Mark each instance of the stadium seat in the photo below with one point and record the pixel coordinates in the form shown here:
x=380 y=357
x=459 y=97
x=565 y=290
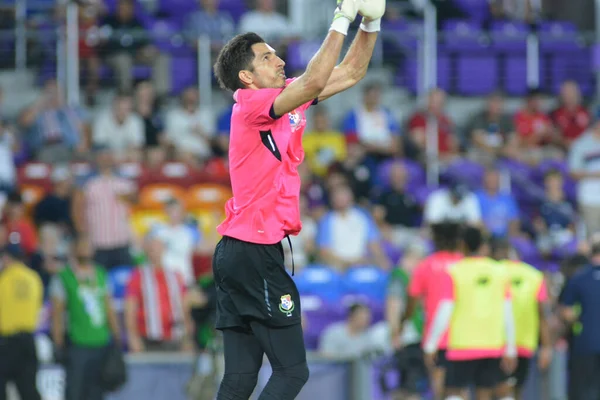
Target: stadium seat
x=118 y=278
x=154 y=196
x=31 y=195
x=35 y=173
x=131 y=170
x=142 y=220
x=207 y=219
x=175 y=173
x=207 y=196
x=320 y=281
x=465 y=171
x=367 y=281
x=81 y=170
x=318 y=313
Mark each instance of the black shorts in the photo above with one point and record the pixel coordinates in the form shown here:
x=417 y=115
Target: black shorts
x=441 y=360
x=483 y=373
x=521 y=373
x=413 y=372
x=253 y=285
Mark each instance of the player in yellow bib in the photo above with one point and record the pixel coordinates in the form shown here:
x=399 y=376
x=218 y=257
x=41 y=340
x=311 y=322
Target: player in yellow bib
x=530 y=309
x=476 y=309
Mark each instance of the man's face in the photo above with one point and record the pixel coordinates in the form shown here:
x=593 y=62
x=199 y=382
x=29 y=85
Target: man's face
x=361 y=319
x=123 y=107
x=267 y=67
x=191 y=98
x=569 y=94
x=125 y=10
x=495 y=105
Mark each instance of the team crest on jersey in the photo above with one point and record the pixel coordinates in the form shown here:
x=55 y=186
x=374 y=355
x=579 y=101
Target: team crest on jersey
x=295 y=120
x=286 y=305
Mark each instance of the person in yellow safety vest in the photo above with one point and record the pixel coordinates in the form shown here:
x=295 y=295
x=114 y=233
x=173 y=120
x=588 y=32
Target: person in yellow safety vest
x=477 y=310
x=530 y=308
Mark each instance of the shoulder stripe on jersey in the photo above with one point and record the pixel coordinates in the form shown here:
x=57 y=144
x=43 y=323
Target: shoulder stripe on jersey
x=267 y=139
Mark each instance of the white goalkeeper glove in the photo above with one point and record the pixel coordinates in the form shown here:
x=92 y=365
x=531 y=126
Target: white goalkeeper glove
x=345 y=13
x=372 y=11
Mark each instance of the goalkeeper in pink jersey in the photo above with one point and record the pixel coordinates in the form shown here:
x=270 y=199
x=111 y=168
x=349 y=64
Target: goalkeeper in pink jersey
x=258 y=305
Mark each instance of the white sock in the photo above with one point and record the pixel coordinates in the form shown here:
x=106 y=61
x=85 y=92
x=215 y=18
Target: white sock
x=205 y=365
x=454 y=398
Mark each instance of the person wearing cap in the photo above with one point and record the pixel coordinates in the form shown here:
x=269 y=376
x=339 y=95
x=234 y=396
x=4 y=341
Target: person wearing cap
x=456 y=204
x=579 y=305
x=21 y=301
x=55 y=207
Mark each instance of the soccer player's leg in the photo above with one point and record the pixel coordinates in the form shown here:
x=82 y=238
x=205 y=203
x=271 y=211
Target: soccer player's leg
x=488 y=375
x=460 y=375
x=437 y=376
x=284 y=347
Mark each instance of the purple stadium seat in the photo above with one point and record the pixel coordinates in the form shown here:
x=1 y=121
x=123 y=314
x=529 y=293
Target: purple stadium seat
x=478 y=10
x=321 y=281
x=557 y=35
x=477 y=74
x=318 y=314
x=184 y=72
x=515 y=80
x=414 y=171
x=404 y=33
x=509 y=35
x=393 y=253
x=234 y=7
x=368 y=281
x=300 y=53
x=462 y=35
x=465 y=171
x=411 y=76
x=527 y=251
x=422 y=193
x=177 y=9
x=166 y=35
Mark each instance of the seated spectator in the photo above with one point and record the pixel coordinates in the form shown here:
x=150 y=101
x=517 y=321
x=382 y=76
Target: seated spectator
x=489 y=131
x=157 y=314
x=179 y=240
x=191 y=128
x=89 y=39
x=417 y=129
x=396 y=211
x=313 y=190
x=348 y=339
x=128 y=43
x=304 y=243
x=8 y=172
x=120 y=129
x=147 y=107
x=584 y=165
x=357 y=171
x=373 y=126
x=265 y=21
x=555 y=225
x=526 y=10
x=18 y=225
x=209 y=21
x=499 y=211
x=223 y=130
x=534 y=128
x=456 y=204
x=55 y=130
x=55 y=207
x=52 y=254
x=571 y=118
x=347 y=235
x=322 y=145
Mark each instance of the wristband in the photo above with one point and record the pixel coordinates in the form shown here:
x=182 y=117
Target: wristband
x=370 y=25
x=340 y=24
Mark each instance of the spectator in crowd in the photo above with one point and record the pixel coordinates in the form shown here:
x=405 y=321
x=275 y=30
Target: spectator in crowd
x=489 y=131
x=51 y=255
x=147 y=107
x=421 y=120
x=55 y=130
x=128 y=43
x=303 y=243
x=191 y=128
x=265 y=21
x=83 y=313
x=571 y=118
x=18 y=224
x=348 y=339
x=21 y=300
x=8 y=173
x=526 y=10
x=373 y=126
x=555 y=224
x=534 y=128
x=579 y=303
x=55 y=207
x=101 y=211
x=120 y=129
x=209 y=21
x=313 y=190
x=396 y=211
x=584 y=165
x=157 y=314
x=499 y=211
x=457 y=204
x=323 y=145
x=89 y=39
x=347 y=235
x=357 y=171
x=223 y=129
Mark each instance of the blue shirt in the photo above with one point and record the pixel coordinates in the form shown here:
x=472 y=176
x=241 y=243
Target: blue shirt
x=224 y=122
x=557 y=214
x=584 y=290
x=497 y=211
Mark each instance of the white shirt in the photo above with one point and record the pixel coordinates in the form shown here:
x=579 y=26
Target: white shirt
x=180 y=126
x=336 y=341
x=347 y=235
x=306 y=235
x=119 y=137
x=439 y=207
x=7 y=164
x=179 y=249
x=267 y=25
x=584 y=156
x=373 y=127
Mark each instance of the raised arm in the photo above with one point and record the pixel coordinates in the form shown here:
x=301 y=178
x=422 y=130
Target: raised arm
x=310 y=84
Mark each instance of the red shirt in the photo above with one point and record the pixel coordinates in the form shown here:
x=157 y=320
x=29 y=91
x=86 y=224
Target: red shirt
x=571 y=123
x=531 y=126
x=426 y=282
x=155 y=313
x=264 y=154
x=419 y=120
x=27 y=234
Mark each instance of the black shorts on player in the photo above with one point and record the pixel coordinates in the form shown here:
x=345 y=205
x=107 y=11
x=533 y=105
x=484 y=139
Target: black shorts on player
x=521 y=373
x=484 y=373
x=413 y=372
x=441 y=361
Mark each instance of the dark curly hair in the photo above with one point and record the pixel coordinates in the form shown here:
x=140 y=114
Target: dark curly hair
x=446 y=235
x=234 y=57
